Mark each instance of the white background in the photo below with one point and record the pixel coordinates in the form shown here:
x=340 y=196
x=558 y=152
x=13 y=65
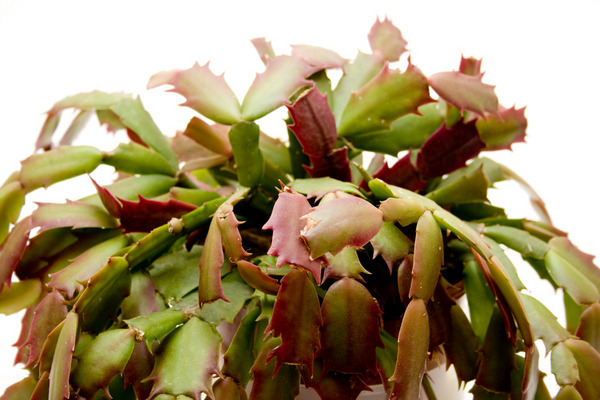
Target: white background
x=543 y=55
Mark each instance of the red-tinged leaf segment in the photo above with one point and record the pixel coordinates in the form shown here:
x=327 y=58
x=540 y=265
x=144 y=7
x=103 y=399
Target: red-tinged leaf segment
x=12 y=250
x=314 y=127
x=588 y=364
x=204 y=91
x=273 y=88
x=211 y=261
x=74 y=214
x=254 y=277
x=318 y=57
x=287 y=224
x=296 y=319
x=470 y=66
x=264 y=49
x=499 y=132
x=465 y=92
x=350 y=331
x=230 y=234
x=338 y=223
x=145 y=215
x=589 y=326
x=413 y=343
x=314 y=123
x=386 y=40
x=50 y=312
x=403 y=173
x=449 y=149
x=334 y=165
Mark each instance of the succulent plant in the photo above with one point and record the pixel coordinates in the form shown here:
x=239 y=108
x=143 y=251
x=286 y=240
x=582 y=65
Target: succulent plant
x=233 y=264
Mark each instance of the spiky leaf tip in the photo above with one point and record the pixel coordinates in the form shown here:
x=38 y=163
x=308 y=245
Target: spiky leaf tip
x=501 y=131
x=273 y=88
x=382 y=100
x=204 y=91
x=386 y=40
x=287 y=224
x=465 y=92
x=338 y=223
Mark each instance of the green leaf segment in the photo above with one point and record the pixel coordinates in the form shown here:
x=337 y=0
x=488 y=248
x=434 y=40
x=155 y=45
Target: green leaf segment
x=226 y=263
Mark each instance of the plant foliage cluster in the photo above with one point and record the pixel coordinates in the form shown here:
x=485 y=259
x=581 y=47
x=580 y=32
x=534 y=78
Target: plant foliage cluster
x=222 y=256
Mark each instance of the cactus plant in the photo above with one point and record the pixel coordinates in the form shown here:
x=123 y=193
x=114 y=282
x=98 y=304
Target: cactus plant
x=227 y=263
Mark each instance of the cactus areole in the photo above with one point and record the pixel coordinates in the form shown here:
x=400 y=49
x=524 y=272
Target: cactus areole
x=230 y=264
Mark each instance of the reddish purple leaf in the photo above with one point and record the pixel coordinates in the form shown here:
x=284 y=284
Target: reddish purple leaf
x=403 y=173
x=296 y=319
x=314 y=123
x=335 y=165
x=145 y=215
x=449 y=149
x=287 y=223
x=314 y=127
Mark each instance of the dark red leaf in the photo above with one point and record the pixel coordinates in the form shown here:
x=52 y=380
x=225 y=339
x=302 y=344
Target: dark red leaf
x=314 y=127
x=449 y=149
x=296 y=319
x=334 y=165
x=145 y=215
x=314 y=123
x=403 y=173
